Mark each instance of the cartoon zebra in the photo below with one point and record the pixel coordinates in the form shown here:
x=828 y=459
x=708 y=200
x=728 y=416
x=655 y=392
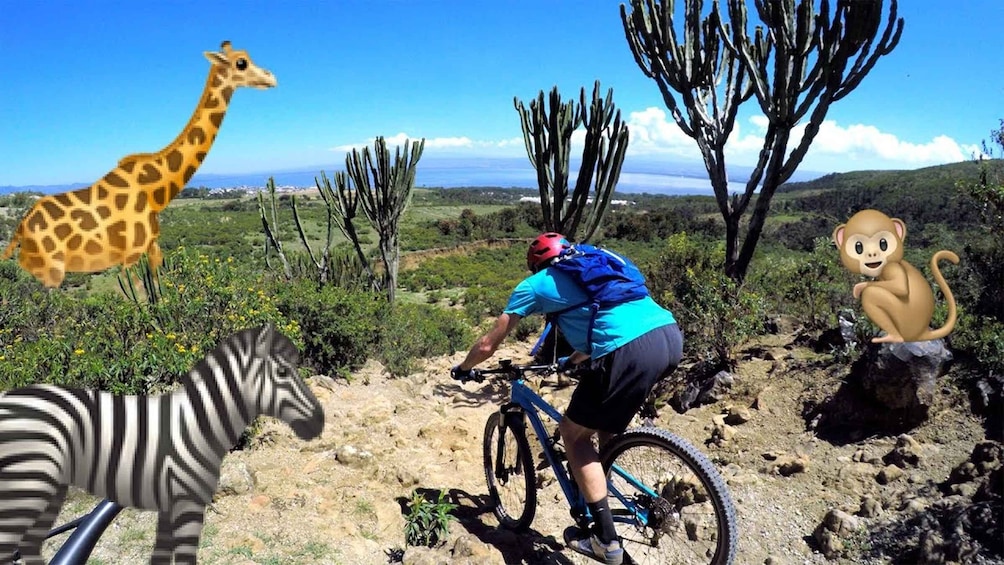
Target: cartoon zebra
x=158 y=453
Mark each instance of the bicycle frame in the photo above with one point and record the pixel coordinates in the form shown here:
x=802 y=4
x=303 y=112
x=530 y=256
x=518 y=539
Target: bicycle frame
x=88 y=529
x=531 y=404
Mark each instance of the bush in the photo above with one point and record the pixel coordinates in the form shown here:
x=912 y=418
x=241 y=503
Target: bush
x=416 y=331
x=340 y=327
x=714 y=313
x=108 y=342
x=810 y=287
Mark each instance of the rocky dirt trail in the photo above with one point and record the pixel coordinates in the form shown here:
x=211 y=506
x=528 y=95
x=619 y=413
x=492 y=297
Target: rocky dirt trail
x=341 y=499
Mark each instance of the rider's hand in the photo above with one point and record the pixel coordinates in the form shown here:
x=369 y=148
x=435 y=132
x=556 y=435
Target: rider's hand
x=458 y=374
x=564 y=363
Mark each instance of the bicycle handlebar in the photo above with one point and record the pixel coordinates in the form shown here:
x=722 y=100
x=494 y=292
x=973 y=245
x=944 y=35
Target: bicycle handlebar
x=506 y=367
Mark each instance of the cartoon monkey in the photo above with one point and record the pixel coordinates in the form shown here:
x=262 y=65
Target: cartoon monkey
x=900 y=301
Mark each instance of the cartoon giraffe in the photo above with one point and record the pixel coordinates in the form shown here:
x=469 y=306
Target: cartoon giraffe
x=114 y=221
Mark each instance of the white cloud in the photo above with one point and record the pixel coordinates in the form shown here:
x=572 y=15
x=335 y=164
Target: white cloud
x=452 y=144
x=835 y=147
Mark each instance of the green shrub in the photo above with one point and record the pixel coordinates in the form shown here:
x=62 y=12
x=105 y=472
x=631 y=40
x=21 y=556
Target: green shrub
x=108 y=342
x=714 y=313
x=418 y=331
x=810 y=287
x=982 y=338
x=340 y=327
x=481 y=302
x=427 y=523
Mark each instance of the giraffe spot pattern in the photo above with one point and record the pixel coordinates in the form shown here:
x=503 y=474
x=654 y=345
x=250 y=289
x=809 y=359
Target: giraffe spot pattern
x=85 y=220
x=196 y=136
x=36 y=222
x=84 y=195
x=200 y=156
x=76 y=263
x=149 y=175
x=114 y=179
x=74 y=242
x=54 y=212
x=48 y=244
x=140 y=237
x=63 y=200
x=63 y=231
x=159 y=198
x=120 y=201
x=140 y=202
x=55 y=274
x=92 y=247
x=102 y=191
x=174 y=160
x=129 y=166
x=173 y=190
x=216 y=118
x=116 y=235
x=103 y=212
x=189 y=172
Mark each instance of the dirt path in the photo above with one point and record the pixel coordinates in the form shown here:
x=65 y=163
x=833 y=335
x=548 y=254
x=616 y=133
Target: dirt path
x=340 y=499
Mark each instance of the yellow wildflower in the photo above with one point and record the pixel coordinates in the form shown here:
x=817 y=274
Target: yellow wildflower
x=78 y=351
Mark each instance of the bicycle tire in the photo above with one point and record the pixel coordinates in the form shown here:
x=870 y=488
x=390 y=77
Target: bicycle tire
x=675 y=512
x=517 y=463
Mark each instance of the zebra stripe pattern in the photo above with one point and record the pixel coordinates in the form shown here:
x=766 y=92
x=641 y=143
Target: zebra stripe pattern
x=159 y=453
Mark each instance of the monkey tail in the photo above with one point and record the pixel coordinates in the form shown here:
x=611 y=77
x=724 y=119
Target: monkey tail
x=15 y=240
x=943 y=285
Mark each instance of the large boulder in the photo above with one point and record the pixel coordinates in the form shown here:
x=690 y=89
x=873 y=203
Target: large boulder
x=902 y=377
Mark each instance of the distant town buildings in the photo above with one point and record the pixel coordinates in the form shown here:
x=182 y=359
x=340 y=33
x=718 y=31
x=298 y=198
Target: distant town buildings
x=588 y=201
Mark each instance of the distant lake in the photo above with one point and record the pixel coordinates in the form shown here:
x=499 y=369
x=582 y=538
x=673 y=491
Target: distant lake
x=505 y=173
x=637 y=176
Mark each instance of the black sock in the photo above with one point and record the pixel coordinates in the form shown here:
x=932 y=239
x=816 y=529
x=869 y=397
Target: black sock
x=603 y=521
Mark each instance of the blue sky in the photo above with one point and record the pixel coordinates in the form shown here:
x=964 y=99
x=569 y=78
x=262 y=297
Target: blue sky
x=85 y=83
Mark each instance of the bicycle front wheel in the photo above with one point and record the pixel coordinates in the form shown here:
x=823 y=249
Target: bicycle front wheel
x=670 y=503
x=509 y=471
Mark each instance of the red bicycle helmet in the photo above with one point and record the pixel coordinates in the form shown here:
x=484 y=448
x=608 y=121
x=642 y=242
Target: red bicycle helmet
x=544 y=248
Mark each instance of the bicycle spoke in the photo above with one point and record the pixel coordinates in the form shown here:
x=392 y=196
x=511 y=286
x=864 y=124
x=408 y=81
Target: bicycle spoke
x=665 y=512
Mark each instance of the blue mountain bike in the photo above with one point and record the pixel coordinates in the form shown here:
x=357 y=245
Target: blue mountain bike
x=669 y=502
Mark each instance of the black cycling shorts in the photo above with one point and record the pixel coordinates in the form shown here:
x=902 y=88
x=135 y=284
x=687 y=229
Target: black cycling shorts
x=614 y=388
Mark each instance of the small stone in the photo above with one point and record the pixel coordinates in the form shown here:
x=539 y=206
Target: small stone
x=235 y=478
x=889 y=474
x=788 y=465
x=870 y=507
x=738 y=415
x=259 y=502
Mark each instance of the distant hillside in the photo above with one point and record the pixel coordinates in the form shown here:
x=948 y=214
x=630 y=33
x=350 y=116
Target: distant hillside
x=924 y=179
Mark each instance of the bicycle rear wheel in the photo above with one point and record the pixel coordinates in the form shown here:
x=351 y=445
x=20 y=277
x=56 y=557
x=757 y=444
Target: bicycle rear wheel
x=509 y=471
x=669 y=502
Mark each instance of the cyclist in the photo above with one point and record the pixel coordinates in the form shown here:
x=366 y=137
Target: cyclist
x=634 y=345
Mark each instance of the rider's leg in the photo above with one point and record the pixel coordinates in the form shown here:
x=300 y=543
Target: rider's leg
x=584 y=463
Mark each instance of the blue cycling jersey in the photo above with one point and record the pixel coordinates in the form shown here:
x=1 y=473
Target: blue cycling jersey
x=550 y=290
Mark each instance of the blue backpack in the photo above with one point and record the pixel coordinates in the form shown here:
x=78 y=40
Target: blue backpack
x=606 y=277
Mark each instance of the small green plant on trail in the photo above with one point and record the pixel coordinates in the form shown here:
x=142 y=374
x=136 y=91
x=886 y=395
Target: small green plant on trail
x=427 y=522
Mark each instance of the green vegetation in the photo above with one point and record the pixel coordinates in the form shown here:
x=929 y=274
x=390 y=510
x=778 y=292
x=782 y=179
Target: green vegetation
x=428 y=522
x=464 y=252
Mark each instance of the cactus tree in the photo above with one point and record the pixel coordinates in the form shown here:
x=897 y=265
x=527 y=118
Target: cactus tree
x=798 y=61
x=384 y=191
x=547 y=133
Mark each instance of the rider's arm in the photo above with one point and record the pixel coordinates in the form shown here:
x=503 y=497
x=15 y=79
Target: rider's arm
x=486 y=345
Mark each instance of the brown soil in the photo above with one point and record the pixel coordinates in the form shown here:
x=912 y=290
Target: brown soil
x=339 y=499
